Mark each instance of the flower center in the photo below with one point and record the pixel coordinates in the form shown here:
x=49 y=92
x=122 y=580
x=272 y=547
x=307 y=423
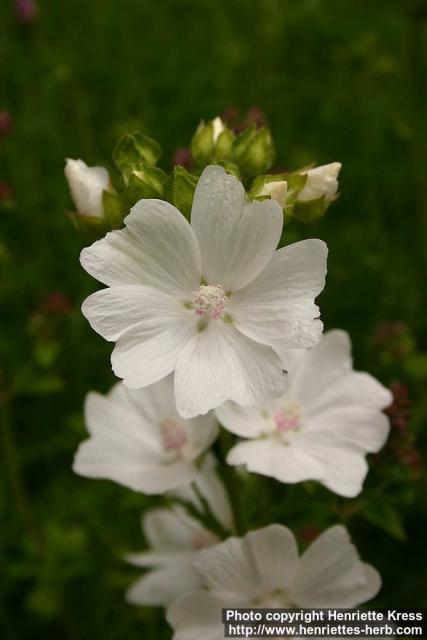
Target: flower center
x=174 y=437
x=288 y=417
x=273 y=600
x=209 y=300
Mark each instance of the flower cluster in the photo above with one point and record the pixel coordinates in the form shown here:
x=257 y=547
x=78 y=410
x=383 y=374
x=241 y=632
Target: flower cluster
x=215 y=323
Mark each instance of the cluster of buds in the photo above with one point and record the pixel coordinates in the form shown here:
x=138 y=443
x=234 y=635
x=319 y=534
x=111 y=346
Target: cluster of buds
x=102 y=202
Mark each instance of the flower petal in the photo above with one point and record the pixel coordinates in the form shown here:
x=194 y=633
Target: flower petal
x=144 y=355
x=197 y=615
x=275 y=553
x=114 y=311
x=156 y=249
x=219 y=364
x=161 y=587
x=237 y=238
x=247 y=422
x=170 y=529
x=277 y=308
x=331 y=573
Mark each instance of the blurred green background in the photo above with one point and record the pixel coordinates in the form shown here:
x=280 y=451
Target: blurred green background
x=337 y=81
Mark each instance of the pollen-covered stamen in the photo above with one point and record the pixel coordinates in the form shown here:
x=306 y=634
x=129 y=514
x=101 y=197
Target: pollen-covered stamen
x=174 y=437
x=288 y=417
x=210 y=300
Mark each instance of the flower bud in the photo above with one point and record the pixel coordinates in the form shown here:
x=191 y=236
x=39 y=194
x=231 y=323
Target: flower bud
x=147 y=182
x=212 y=141
x=179 y=189
x=27 y=11
x=5 y=123
x=87 y=185
x=133 y=151
x=253 y=151
x=271 y=186
x=321 y=182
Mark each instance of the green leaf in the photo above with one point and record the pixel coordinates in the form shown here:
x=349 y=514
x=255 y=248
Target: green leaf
x=382 y=514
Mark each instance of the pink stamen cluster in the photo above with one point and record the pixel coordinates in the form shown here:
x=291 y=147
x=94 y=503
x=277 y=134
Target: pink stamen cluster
x=173 y=435
x=204 y=540
x=210 y=300
x=288 y=417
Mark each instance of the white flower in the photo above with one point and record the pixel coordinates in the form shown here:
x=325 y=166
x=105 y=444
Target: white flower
x=138 y=439
x=263 y=569
x=86 y=186
x=212 y=302
x=322 y=428
x=176 y=540
x=277 y=190
x=321 y=181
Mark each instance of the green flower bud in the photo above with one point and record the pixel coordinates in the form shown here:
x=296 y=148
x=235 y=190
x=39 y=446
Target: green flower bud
x=312 y=197
x=146 y=182
x=253 y=151
x=179 y=189
x=212 y=141
x=134 y=151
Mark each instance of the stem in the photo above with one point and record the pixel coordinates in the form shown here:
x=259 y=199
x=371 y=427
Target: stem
x=232 y=482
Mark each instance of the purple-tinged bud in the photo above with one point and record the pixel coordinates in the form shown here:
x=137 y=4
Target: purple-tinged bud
x=5 y=123
x=27 y=11
x=182 y=157
x=6 y=192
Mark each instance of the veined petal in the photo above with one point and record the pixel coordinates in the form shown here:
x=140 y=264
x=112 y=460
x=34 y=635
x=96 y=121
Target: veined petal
x=247 y=422
x=142 y=357
x=170 y=529
x=157 y=249
x=197 y=615
x=114 y=311
x=219 y=364
x=237 y=238
x=331 y=573
x=162 y=586
x=275 y=553
x=277 y=308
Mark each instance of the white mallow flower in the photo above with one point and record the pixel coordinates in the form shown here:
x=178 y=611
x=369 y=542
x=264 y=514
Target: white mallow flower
x=321 y=181
x=277 y=190
x=217 y=128
x=263 y=570
x=138 y=439
x=212 y=302
x=87 y=185
x=322 y=428
x=175 y=540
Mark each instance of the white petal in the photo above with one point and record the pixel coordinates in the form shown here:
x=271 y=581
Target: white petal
x=237 y=238
x=275 y=553
x=321 y=181
x=270 y=458
x=170 y=529
x=277 y=308
x=331 y=573
x=247 y=422
x=156 y=249
x=163 y=586
x=114 y=311
x=219 y=364
x=86 y=186
x=323 y=378
x=142 y=357
x=197 y=615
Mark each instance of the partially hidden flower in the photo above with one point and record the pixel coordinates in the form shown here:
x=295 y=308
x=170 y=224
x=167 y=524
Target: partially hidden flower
x=213 y=302
x=323 y=426
x=176 y=540
x=138 y=439
x=264 y=570
x=275 y=189
x=87 y=185
x=321 y=181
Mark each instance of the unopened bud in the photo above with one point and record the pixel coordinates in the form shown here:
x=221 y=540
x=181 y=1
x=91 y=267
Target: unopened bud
x=271 y=186
x=213 y=141
x=253 y=151
x=133 y=151
x=179 y=190
x=320 y=189
x=87 y=185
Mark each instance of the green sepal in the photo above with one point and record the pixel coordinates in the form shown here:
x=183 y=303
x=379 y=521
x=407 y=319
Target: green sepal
x=296 y=183
x=92 y=227
x=179 y=189
x=310 y=210
x=224 y=145
x=147 y=182
x=133 y=151
x=114 y=209
x=202 y=145
x=230 y=167
x=253 y=151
